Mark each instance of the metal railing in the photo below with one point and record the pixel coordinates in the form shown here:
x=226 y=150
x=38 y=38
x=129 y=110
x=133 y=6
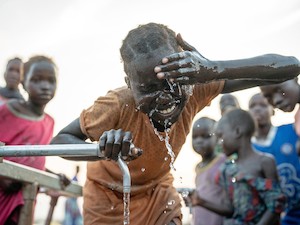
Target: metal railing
x=33 y=179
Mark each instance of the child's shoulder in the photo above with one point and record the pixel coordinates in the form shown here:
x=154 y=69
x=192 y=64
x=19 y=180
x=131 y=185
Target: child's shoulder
x=16 y=105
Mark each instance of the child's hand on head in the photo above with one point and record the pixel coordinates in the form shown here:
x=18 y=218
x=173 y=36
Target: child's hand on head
x=182 y=67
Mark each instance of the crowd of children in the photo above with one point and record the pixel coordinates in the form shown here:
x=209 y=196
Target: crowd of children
x=168 y=83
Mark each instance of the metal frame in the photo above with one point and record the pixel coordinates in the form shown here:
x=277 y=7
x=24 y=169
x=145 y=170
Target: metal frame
x=33 y=179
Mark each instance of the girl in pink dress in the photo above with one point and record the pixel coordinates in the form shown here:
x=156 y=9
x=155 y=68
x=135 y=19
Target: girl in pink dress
x=26 y=123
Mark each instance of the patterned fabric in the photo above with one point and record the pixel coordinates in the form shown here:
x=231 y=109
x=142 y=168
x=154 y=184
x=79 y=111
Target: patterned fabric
x=250 y=196
x=208 y=189
x=281 y=143
x=15 y=129
x=150 y=174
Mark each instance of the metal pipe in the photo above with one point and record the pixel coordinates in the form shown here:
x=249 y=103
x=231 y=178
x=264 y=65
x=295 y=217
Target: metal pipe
x=71 y=150
x=64 y=150
x=126 y=175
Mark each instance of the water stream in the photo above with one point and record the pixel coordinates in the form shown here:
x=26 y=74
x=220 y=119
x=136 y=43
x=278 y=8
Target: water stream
x=126 y=200
x=166 y=139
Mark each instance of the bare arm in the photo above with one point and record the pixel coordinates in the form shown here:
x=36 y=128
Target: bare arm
x=270 y=172
x=72 y=134
x=190 y=67
x=224 y=209
x=111 y=143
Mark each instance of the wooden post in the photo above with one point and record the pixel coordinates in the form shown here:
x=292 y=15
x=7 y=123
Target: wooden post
x=53 y=203
x=29 y=196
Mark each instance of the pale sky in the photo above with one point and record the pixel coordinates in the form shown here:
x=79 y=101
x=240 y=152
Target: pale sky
x=84 y=37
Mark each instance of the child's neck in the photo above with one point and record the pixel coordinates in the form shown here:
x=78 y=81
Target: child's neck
x=245 y=150
x=206 y=160
x=262 y=132
x=35 y=109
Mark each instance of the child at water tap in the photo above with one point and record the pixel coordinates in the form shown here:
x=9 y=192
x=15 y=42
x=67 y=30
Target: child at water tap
x=204 y=142
x=168 y=83
x=13 y=75
x=26 y=123
x=251 y=182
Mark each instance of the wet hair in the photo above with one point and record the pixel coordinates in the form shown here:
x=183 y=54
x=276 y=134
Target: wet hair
x=34 y=59
x=241 y=118
x=142 y=40
x=13 y=59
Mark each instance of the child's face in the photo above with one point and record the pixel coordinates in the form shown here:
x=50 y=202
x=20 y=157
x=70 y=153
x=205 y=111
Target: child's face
x=225 y=136
x=228 y=101
x=203 y=138
x=40 y=82
x=162 y=100
x=13 y=73
x=260 y=109
x=283 y=96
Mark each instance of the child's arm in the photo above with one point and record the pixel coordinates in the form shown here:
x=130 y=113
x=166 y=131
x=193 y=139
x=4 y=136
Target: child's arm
x=224 y=209
x=190 y=67
x=111 y=142
x=270 y=171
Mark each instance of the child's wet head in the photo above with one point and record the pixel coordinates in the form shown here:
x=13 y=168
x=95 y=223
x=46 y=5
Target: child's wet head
x=143 y=49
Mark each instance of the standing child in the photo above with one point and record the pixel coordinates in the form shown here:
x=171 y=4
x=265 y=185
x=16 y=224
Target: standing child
x=204 y=142
x=26 y=123
x=155 y=112
x=281 y=143
x=251 y=182
x=12 y=76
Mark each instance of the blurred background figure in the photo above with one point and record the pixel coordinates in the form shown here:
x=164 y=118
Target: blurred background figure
x=280 y=141
x=73 y=214
x=13 y=76
x=227 y=102
x=204 y=141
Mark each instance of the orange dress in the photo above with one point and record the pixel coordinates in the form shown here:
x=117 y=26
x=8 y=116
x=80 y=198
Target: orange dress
x=153 y=198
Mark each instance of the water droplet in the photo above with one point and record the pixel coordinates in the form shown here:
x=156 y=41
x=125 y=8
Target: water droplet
x=233 y=180
x=143 y=170
x=232 y=161
x=185 y=194
x=166 y=158
x=283 y=93
x=165 y=211
x=126 y=105
x=171 y=202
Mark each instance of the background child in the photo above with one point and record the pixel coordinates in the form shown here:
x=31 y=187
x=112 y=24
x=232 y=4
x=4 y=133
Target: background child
x=26 y=123
x=281 y=143
x=13 y=75
x=204 y=142
x=227 y=102
x=155 y=112
x=251 y=182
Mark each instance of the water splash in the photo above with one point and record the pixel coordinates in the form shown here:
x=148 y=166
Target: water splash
x=188 y=89
x=171 y=202
x=166 y=139
x=126 y=200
